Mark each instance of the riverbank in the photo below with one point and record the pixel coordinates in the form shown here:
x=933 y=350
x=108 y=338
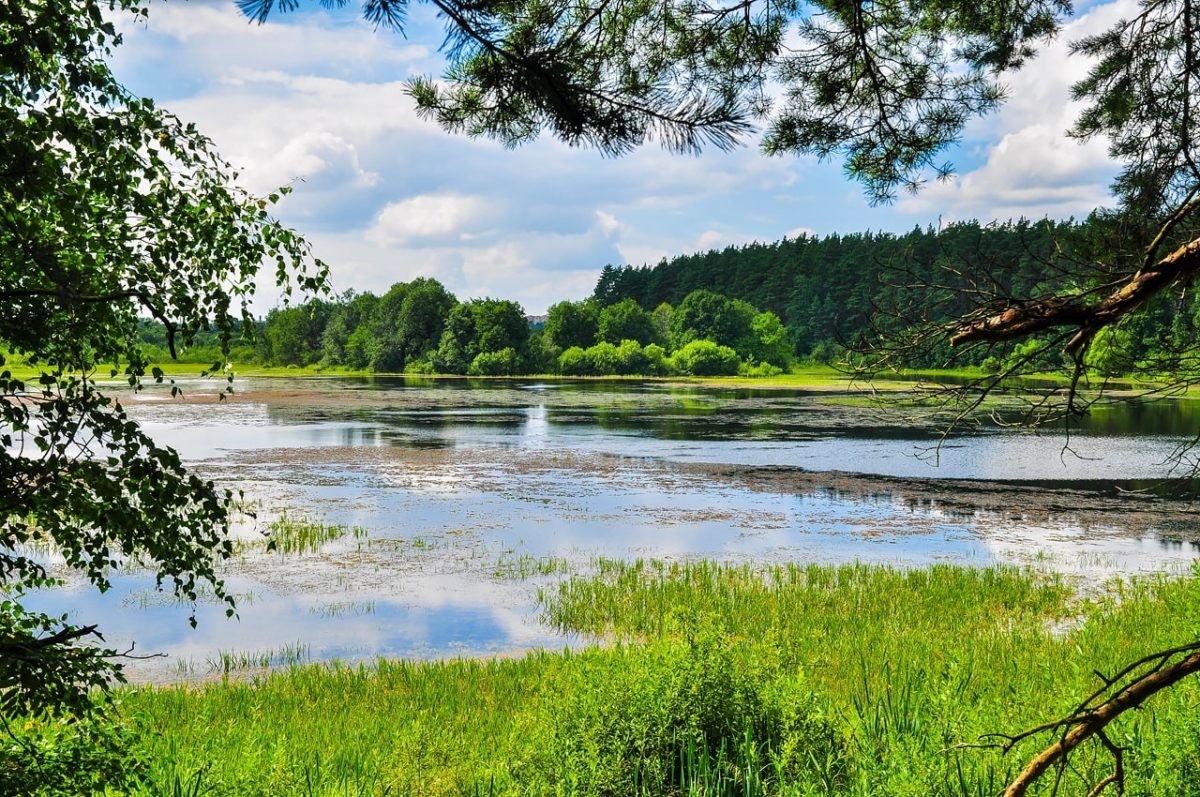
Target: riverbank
x=791 y=679
x=808 y=377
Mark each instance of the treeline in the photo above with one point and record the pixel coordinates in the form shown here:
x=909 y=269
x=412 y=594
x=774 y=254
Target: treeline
x=416 y=327
x=853 y=290
x=707 y=334
x=753 y=309
x=420 y=327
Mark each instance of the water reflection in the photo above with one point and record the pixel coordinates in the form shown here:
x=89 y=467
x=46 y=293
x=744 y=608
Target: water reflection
x=452 y=478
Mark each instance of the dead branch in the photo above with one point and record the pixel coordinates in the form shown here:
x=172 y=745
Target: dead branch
x=1089 y=721
x=25 y=648
x=1051 y=312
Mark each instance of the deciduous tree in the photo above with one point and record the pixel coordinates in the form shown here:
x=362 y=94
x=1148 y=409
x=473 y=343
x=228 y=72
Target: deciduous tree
x=111 y=210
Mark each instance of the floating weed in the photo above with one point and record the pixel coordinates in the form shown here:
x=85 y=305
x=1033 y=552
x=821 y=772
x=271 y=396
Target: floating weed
x=155 y=598
x=419 y=544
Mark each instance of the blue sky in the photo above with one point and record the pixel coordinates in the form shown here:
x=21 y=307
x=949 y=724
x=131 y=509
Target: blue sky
x=316 y=98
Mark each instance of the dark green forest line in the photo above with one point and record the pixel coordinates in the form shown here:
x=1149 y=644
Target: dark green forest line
x=756 y=309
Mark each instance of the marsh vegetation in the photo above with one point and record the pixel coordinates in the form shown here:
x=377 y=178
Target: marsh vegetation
x=623 y=588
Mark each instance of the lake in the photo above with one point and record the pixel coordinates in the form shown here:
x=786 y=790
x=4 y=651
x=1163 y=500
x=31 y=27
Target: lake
x=461 y=498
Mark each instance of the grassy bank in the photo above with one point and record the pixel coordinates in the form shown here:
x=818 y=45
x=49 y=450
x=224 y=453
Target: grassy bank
x=805 y=377
x=788 y=680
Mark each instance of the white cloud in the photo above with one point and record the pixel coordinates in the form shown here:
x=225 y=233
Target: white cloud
x=1032 y=167
x=324 y=156
x=388 y=196
x=212 y=39
x=608 y=222
x=644 y=254
x=649 y=250
x=273 y=126
x=431 y=216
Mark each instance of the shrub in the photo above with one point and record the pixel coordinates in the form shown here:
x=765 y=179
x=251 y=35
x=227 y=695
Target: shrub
x=59 y=756
x=631 y=358
x=603 y=359
x=422 y=366
x=825 y=353
x=683 y=718
x=705 y=358
x=495 y=363
x=656 y=360
x=573 y=362
x=759 y=369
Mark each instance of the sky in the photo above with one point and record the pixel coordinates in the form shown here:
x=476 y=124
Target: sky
x=316 y=99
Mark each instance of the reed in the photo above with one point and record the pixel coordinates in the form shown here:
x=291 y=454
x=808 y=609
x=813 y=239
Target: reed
x=288 y=535
x=715 y=680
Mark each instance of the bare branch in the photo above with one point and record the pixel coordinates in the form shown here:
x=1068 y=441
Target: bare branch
x=1087 y=722
x=1051 y=312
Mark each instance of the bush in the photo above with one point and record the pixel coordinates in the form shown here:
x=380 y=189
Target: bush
x=422 y=366
x=573 y=362
x=656 y=360
x=58 y=756
x=631 y=358
x=825 y=353
x=495 y=363
x=759 y=369
x=683 y=718
x=705 y=358
x=603 y=359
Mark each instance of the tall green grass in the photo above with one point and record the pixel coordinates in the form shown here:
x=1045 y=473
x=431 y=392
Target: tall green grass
x=715 y=680
x=288 y=535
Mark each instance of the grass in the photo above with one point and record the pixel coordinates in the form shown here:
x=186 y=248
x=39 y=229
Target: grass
x=227 y=662
x=789 y=680
x=803 y=377
x=287 y=535
x=343 y=609
x=525 y=566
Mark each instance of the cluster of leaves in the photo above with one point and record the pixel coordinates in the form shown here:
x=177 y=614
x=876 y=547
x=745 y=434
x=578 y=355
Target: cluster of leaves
x=111 y=210
x=51 y=755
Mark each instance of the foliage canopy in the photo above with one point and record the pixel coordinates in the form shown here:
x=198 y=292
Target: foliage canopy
x=111 y=209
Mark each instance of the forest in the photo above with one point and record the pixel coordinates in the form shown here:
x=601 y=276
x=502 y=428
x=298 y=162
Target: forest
x=754 y=310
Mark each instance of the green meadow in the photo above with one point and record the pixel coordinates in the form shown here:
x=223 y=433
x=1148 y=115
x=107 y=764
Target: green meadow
x=703 y=679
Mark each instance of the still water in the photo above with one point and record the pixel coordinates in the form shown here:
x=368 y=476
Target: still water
x=467 y=497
